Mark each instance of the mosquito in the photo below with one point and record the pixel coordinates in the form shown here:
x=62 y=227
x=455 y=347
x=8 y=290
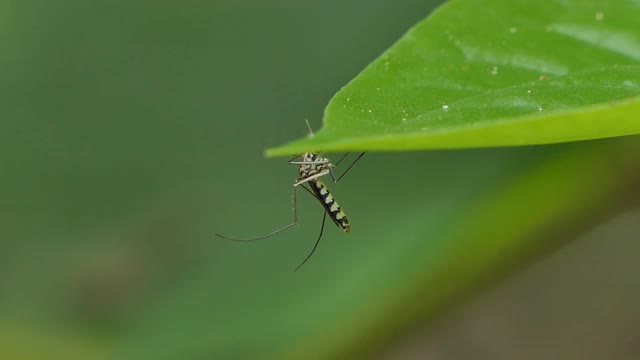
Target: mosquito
x=311 y=167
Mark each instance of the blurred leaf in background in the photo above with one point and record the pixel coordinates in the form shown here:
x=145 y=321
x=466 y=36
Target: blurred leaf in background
x=133 y=131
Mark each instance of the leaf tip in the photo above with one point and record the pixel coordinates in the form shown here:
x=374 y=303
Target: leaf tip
x=273 y=152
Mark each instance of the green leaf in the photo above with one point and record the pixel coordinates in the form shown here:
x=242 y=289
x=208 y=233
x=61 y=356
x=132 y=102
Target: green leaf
x=493 y=73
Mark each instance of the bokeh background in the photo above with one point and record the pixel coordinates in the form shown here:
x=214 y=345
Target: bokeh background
x=132 y=131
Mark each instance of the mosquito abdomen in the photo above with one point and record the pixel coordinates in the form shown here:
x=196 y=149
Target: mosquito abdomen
x=331 y=206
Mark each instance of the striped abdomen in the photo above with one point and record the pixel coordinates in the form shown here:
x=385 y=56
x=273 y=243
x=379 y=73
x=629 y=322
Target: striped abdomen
x=330 y=205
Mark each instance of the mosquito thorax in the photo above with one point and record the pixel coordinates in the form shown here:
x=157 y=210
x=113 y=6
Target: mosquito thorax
x=315 y=164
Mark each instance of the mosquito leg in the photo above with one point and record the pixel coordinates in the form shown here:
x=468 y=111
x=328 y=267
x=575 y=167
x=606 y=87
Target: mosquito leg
x=295 y=157
x=312 y=177
x=307 y=162
x=311 y=192
x=324 y=217
x=342 y=158
x=294 y=223
x=333 y=177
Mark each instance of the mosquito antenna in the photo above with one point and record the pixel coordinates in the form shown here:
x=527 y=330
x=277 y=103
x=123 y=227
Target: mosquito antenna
x=294 y=223
x=324 y=217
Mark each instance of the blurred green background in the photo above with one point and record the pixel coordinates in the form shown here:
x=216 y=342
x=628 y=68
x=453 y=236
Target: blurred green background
x=132 y=131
